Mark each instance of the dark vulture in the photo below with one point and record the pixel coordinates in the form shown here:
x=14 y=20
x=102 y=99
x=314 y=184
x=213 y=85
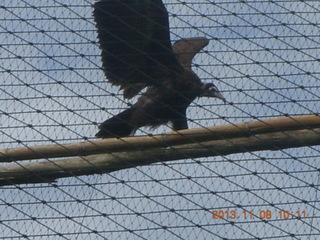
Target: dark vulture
x=137 y=53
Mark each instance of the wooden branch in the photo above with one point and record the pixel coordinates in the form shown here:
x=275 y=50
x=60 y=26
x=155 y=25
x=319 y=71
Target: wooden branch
x=48 y=171
x=169 y=139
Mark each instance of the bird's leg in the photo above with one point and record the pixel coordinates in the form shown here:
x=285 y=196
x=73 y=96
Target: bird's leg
x=133 y=132
x=179 y=124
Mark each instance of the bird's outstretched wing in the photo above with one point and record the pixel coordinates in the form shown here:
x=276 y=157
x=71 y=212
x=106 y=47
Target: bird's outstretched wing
x=135 y=42
x=185 y=49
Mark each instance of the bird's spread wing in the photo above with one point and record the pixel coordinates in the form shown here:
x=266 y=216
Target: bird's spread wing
x=135 y=42
x=186 y=49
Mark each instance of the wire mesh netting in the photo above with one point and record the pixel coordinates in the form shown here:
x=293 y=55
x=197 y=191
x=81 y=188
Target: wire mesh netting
x=263 y=55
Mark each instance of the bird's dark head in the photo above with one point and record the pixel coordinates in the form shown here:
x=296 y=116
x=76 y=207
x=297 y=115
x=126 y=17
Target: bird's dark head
x=210 y=90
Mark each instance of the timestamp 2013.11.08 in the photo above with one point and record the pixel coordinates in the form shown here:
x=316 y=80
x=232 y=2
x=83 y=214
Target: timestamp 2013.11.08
x=263 y=214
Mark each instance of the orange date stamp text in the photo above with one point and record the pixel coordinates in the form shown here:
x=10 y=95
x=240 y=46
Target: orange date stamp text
x=263 y=214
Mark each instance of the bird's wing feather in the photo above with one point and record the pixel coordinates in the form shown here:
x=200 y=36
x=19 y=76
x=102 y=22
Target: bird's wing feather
x=186 y=49
x=135 y=42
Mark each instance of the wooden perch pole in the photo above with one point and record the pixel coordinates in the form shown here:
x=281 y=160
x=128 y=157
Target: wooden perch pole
x=48 y=171
x=163 y=140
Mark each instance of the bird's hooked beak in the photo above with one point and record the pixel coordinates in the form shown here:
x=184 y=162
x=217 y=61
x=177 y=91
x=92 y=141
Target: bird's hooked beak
x=219 y=95
x=210 y=90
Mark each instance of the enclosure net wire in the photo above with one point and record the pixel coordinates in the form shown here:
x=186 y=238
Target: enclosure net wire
x=262 y=55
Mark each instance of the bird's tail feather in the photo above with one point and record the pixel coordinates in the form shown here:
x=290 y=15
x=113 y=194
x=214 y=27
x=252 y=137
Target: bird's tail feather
x=117 y=126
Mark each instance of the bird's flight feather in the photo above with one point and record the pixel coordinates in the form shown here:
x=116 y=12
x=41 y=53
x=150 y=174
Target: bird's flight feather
x=135 y=42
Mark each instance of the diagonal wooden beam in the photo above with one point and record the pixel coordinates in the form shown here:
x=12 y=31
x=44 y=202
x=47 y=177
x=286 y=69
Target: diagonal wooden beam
x=48 y=171
x=155 y=141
